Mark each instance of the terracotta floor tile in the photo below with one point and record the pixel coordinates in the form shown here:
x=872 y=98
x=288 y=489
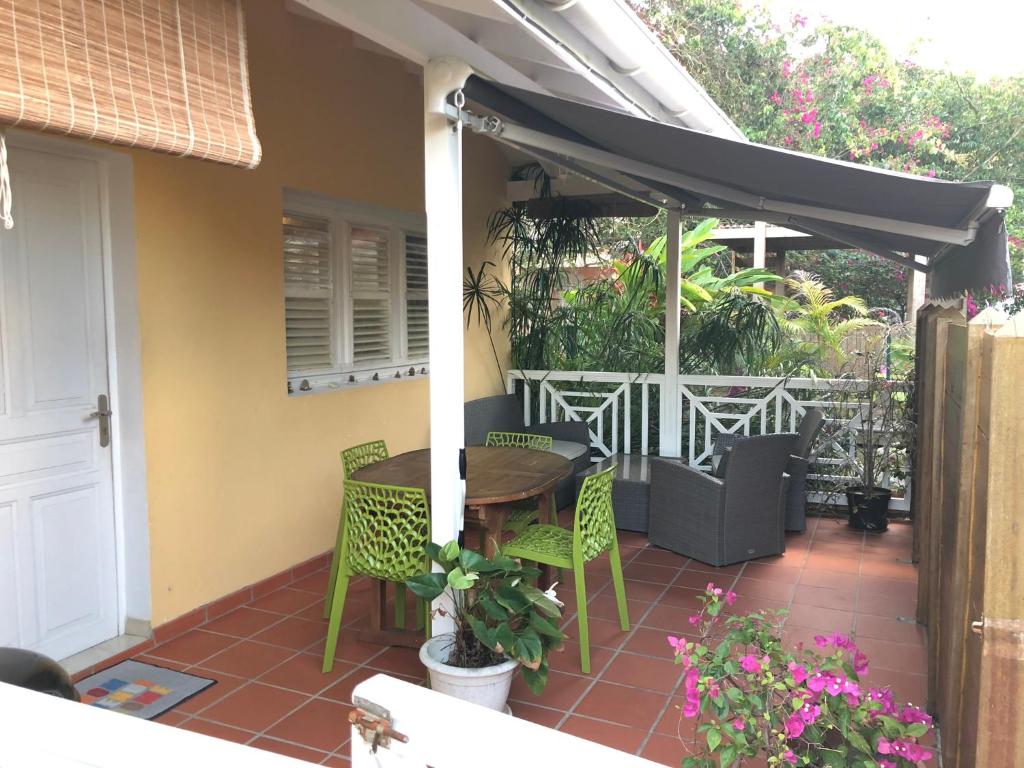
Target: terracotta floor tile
x=177 y=666
x=192 y=647
x=302 y=673
x=342 y=690
x=562 y=691
x=899 y=657
x=758 y=588
x=293 y=633
x=338 y=761
x=907 y=687
x=889 y=570
x=218 y=730
x=718 y=573
x=891 y=606
x=404 y=661
x=646 y=672
x=667 y=750
x=248 y=659
x=604 y=606
x=672 y=618
x=242 y=622
x=355 y=606
x=568 y=659
x=649 y=641
x=549 y=718
x=623 y=705
x=673 y=724
x=657 y=574
x=289 y=750
x=823 y=597
x=833 y=563
x=225 y=684
x=254 y=707
x=884 y=628
x=618 y=737
x=684 y=597
x=876 y=585
x=814 y=577
x=318 y=724
x=606 y=633
x=657 y=556
x=780 y=574
x=286 y=601
x=821 y=619
x=644 y=591
x=171 y=717
x=315 y=582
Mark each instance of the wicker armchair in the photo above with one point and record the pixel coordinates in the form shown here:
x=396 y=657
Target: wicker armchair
x=797 y=467
x=722 y=520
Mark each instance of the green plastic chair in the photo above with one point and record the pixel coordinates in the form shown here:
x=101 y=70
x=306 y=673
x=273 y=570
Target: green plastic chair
x=387 y=528
x=593 y=533
x=523 y=514
x=352 y=459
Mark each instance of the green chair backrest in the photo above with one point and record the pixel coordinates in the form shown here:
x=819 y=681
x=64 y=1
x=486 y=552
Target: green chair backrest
x=594 y=524
x=518 y=440
x=387 y=528
x=359 y=456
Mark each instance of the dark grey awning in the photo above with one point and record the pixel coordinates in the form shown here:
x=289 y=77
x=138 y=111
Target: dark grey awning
x=957 y=226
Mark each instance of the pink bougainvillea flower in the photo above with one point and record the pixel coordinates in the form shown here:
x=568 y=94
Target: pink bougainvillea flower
x=860 y=659
x=908 y=750
x=692 y=706
x=739 y=724
x=885 y=763
x=730 y=598
x=835 y=685
x=695 y=619
x=818 y=680
x=794 y=727
x=810 y=713
x=716 y=591
x=810 y=116
x=751 y=663
x=912 y=714
x=789 y=756
x=816 y=131
x=852 y=692
x=798 y=671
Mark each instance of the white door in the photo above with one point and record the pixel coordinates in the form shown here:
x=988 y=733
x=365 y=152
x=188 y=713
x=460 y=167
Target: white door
x=58 y=575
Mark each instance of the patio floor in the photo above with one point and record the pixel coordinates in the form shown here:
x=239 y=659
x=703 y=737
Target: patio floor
x=270 y=694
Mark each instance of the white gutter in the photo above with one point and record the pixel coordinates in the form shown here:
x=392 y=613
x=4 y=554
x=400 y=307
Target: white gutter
x=606 y=42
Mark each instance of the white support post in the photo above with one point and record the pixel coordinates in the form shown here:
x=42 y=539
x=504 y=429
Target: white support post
x=442 y=145
x=670 y=416
x=760 y=246
x=915 y=290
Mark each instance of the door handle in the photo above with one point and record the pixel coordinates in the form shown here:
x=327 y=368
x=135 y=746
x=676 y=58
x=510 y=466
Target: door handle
x=103 y=413
x=978 y=627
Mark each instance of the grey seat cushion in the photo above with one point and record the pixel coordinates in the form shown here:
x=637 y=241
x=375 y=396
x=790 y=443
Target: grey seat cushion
x=567 y=449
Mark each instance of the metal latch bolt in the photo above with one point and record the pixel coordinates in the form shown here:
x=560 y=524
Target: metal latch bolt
x=374 y=724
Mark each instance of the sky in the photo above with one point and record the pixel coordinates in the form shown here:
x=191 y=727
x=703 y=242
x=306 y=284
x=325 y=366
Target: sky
x=980 y=36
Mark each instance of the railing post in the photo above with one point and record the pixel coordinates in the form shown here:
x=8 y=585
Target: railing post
x=671 y=420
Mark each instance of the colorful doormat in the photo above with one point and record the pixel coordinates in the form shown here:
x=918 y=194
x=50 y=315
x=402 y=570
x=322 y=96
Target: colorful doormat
x=138 y=689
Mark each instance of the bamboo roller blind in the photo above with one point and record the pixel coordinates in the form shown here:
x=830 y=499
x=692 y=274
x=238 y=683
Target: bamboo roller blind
x=168 y=75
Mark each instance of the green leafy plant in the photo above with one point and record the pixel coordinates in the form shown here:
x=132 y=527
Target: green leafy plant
x=755 y=699
x=498 y=613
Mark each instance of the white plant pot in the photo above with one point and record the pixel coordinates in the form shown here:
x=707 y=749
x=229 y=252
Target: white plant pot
x=486 y=686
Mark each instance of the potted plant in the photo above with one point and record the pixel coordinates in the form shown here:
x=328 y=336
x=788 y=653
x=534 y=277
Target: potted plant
x=502 y=622
x=759 y=703
x=875 y=391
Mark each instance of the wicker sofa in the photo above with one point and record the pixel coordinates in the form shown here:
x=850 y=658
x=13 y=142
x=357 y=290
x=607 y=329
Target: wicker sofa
x=723 y=520
x=504 y=413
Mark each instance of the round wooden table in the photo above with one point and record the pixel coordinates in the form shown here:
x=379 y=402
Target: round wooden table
x=495 y=477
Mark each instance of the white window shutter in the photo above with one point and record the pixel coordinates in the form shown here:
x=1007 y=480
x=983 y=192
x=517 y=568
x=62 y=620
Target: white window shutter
x=309 y=292
x=370 y=291
x=416 y=335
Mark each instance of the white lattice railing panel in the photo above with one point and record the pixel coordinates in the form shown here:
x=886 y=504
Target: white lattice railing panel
x=621 y=410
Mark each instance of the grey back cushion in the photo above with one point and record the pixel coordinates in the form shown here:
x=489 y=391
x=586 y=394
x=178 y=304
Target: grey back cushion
x=500 y=413
x=810 y=425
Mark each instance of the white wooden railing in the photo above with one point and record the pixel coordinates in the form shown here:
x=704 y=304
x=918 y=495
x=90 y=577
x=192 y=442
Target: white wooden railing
x=610 y=403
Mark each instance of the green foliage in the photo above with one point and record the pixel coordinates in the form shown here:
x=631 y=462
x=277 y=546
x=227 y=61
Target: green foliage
x=837 y=91
x=752 y=698
x=498 y=613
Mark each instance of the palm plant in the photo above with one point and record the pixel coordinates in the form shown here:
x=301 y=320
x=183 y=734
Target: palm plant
x=818 y=322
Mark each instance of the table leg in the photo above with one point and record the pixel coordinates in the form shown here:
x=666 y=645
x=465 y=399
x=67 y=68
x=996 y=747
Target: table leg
x=492 y=523
x=378 y=633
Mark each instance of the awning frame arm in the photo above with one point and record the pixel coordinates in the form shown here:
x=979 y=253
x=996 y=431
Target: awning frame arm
x=518 y=135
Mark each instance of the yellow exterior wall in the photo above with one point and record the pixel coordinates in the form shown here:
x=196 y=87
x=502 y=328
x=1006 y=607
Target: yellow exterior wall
x=244 y=481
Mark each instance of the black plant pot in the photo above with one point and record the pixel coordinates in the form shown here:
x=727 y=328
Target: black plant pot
x=868 y=513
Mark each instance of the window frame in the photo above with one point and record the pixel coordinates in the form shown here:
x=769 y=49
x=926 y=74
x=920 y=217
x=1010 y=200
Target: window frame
x=342 y=216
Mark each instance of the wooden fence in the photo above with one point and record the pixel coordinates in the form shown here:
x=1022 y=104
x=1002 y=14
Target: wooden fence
x=969 y=536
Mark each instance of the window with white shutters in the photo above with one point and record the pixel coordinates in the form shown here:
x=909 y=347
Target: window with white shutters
x=416 y=295
x=355 y=293
x=308 y=292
